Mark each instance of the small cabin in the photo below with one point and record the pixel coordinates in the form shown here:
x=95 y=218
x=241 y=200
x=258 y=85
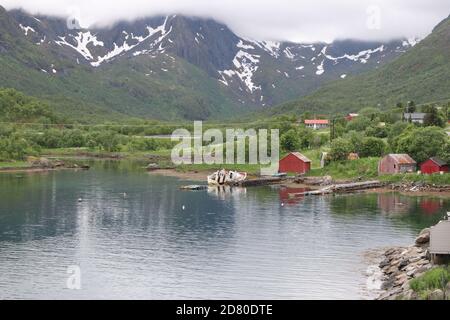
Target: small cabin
x=351 y=116
x=397 y=163
x=295 y=162
x=416 y=117
x=440 y=242
x=434 y=165
x=317 y=124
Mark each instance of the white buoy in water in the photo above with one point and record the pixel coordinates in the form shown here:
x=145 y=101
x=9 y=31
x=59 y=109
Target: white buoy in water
x=124 y=194
x=183 y=207
x=80 y=200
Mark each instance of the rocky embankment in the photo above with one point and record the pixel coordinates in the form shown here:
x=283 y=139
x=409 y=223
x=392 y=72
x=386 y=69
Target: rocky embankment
x=44 y=163
x=402 y=264
x=418 y=187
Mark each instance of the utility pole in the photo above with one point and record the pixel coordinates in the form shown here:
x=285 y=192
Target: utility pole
x=332 y=129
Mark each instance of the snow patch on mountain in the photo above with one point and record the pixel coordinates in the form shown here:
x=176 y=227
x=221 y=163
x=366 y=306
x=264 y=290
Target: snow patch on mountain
x=320 y=69
x=289 y=54
x=361 y=57
x=246 y=65
x=241 y=45
x=271 y=47
x=125 y=47
x=83 y=40
x=411 y=42
x=26 y=29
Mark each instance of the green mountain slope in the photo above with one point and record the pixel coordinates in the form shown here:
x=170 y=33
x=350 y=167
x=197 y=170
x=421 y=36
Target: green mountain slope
x=172 y=67
x=137 y=87
x=420 y=75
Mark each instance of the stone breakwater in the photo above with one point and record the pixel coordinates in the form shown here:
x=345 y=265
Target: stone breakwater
x=401 y=264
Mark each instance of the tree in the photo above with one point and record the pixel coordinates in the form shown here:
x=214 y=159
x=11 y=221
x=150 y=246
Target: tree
x=306 y=137
x=377 y=131
x=444 y=154
x=51 y=138
x=16 y=148
x=411 y=107
x=359 y=124
x=422 y=143
x=434 y=117
x=340 y=149
x=355 y=139
x=290 y=141
x=108 y=141
x=372 y=147
x=395 y=131
x=371 y=113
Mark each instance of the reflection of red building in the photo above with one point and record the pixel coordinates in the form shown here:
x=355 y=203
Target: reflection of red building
x=290 y=195
x=434 y=165
x=392 y=203
x=431 y=206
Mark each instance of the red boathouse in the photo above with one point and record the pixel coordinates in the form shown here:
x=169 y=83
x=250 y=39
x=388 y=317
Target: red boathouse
x=434 y=165
x=295 y=162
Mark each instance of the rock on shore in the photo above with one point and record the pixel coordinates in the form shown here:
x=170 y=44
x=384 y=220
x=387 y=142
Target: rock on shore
x=402 y=264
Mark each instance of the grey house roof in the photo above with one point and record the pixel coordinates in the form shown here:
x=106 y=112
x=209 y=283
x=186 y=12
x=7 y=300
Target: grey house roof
x=438 y=161
x=415 y=115
x=440 y=238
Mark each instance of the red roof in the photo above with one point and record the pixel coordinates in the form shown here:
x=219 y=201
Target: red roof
x=402 y=158
x=301 y=156
x=317 y=122
x=298 y=155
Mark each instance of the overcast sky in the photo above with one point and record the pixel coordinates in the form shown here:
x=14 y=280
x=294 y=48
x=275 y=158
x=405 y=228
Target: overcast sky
x=295 y=20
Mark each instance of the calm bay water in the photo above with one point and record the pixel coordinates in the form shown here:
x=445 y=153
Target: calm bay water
x=157 y=242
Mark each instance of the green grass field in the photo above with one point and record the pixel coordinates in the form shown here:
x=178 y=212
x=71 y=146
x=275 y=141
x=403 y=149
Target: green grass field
x=15 y=164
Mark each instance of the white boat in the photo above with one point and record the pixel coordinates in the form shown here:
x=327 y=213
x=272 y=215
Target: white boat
x=224 y=177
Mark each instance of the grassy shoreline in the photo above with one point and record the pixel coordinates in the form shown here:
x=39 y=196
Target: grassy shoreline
x=361 y=169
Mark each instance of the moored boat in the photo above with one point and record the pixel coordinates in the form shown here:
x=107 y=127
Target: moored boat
x=224 y=177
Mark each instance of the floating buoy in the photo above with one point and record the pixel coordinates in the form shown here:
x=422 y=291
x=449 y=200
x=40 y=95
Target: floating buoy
x=183 y=208
x=80 y=200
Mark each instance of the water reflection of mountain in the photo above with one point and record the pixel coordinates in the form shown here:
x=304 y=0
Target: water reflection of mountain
x=38 y=206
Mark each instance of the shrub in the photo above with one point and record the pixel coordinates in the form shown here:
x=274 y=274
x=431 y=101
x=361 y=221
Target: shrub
x=340 y=148
x=290 y=141
x=431 y=280
x=422 y=143
x=372 y=147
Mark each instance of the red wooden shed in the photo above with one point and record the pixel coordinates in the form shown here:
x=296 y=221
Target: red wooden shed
x=295 y=162
x=434 y=165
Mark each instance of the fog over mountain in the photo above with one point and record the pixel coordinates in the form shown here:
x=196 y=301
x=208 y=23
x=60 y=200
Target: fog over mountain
x=298 y=21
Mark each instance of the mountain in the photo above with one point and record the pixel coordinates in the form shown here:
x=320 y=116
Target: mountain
x=420 y=75
x=172 y=67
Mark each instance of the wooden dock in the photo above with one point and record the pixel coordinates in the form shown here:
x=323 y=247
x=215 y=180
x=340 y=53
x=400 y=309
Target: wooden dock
x=264 y=181
x=342 y=188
